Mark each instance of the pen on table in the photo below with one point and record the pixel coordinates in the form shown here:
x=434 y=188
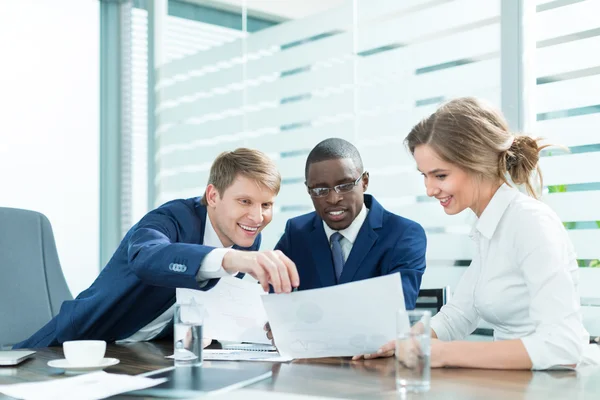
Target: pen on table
x=295 y=289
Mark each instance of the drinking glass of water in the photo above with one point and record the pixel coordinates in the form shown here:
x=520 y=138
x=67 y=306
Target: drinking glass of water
x=413 y=341
x=187 y=334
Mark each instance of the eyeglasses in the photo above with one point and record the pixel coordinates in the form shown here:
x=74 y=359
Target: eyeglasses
x=343 y=188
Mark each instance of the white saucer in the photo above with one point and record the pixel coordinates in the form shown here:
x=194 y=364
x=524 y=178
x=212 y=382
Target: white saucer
x=64 y=364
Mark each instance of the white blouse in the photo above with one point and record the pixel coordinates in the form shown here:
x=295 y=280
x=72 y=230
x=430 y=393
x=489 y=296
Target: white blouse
x=523 y=280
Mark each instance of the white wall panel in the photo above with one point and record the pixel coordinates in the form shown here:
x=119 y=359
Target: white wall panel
x=292 y=167
x=571 y=169
x=226 y=52
x=383 y=154
x=338 y=45
x=561 y=21
x=339 y=18
x=573 y=131
x=297 y=84
x=568 y=94
x=566 y=57
x=586 y=243
x=186 y=133
x=414 y=26
x=432 y=215
x=301 y=111
x=293 y=194
x=575 y=206
x=305 y=138
x=449 y=247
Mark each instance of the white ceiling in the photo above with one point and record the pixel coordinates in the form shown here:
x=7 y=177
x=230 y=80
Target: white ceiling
x=281 y=9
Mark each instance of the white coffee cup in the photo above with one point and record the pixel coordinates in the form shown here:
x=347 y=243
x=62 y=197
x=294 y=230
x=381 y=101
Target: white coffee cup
x=84 y=352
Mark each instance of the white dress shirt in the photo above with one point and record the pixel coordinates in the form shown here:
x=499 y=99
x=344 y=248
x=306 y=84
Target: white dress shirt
x=350 y=233
x=523 y=280
x=211 y=268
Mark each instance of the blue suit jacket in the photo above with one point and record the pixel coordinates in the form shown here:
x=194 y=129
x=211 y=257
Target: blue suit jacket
x=386 y=244
x=138 y=283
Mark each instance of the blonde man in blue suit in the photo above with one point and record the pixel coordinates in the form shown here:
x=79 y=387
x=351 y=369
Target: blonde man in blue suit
x=188 y=243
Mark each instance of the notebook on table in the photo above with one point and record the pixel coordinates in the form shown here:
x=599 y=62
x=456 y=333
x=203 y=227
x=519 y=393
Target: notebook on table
x=248 y=346
x=185 y=382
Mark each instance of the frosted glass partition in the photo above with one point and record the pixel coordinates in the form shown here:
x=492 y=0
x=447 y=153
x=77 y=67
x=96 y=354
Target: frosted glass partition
x=567 y=64
x=364 y=71
x=183 y=38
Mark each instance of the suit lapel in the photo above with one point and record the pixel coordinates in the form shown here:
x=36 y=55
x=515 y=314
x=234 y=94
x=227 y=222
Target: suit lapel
x=367 y=236
x=321 y=253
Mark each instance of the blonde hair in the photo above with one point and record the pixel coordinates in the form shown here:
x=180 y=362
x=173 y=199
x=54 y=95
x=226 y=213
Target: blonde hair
x=252 y=164
x=474 y=136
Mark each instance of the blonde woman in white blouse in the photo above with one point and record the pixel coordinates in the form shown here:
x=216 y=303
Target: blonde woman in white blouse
x=523 y=279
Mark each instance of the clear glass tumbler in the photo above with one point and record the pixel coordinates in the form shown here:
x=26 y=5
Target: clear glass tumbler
x=413 y=350
x=187 y=334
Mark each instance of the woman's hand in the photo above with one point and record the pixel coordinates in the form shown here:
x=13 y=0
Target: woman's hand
x=410 y=350
x=387 y=350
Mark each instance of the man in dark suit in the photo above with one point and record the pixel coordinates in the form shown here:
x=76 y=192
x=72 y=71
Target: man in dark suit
x=350 y=236
x=183 y=243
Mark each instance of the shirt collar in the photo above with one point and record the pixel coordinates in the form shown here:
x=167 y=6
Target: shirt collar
x=210 y=235
x=492 y=214
x=351 y=232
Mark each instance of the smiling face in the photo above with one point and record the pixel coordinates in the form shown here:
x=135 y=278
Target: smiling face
x=241 y=212
x=454 y=187
x=338 y=210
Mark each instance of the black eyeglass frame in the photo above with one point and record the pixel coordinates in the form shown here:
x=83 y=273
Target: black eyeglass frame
x=340 y=189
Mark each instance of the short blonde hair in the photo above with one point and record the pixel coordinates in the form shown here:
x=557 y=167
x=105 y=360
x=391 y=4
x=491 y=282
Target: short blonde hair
x=252 y=164
x=474 y=136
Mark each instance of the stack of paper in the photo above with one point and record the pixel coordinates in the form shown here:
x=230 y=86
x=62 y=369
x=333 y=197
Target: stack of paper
x=243 y=355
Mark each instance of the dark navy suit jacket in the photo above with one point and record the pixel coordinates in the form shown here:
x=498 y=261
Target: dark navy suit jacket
x=386 y=244
x=160 y=253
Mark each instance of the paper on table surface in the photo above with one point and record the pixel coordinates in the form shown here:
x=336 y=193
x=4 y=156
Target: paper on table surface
x=233 y=310
x=243 y=355
x=92 y=386
x=254 y=394
x=343 y=320
x=240 y=355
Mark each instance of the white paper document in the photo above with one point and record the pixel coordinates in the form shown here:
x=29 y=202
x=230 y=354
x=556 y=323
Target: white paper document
x=243 y=355
x=92 y=386
x=255 y=394
x=233 y=310
x=343 y=320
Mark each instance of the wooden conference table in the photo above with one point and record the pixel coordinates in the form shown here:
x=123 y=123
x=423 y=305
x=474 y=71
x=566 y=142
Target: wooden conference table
x=341 y=377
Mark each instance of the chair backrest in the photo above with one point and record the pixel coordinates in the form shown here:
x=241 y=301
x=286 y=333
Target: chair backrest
x=32 y=285
x=432 y=299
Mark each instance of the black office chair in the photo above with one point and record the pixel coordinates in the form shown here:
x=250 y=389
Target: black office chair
x=432 y=299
